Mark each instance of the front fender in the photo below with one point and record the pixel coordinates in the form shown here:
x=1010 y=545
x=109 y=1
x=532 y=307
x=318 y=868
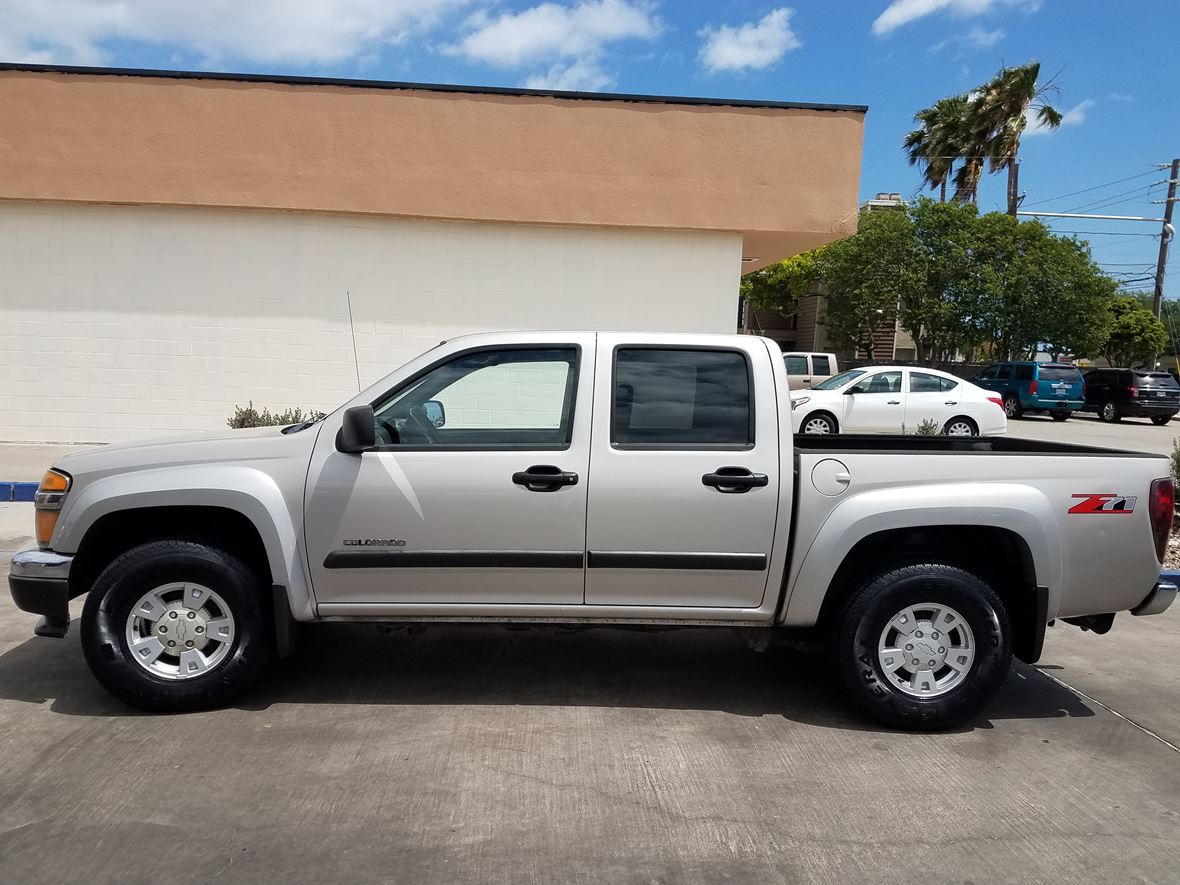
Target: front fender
x=1015 y=507
x=246 y=490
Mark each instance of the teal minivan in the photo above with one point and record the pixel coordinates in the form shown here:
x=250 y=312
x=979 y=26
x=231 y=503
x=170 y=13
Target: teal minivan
x=1055 y=388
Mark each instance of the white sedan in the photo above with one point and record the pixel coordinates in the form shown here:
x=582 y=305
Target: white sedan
x=897 y=399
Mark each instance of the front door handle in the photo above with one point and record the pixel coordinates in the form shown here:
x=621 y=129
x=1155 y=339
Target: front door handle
x=951 y=402
x=893 y=402
x=734 y=480
x=544 y=478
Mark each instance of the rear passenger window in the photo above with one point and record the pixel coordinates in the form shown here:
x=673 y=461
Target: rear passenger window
x=920 y=382
x=1024 y=373
x=821 y=365
x=1004 y=374
x=681 y=399
x=796 y=365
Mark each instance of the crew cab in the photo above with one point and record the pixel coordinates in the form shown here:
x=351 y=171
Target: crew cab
x=637 y=479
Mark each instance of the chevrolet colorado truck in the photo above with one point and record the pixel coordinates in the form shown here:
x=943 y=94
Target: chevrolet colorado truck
x=648 y=480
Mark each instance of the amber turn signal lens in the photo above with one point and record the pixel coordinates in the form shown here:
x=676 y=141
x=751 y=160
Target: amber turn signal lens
x=46 y=523
x=53 y=481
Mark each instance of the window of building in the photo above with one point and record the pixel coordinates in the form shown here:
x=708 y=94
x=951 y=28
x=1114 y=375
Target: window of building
x=681 y=399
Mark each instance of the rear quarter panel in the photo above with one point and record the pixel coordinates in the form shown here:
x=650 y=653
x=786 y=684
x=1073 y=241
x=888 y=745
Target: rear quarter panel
x=1091 y=562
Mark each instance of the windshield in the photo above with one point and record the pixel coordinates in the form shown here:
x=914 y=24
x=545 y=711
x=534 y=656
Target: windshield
x=838 y=380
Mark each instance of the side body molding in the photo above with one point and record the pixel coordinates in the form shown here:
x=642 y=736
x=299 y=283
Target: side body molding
x=246 y=490
x=1016 y=507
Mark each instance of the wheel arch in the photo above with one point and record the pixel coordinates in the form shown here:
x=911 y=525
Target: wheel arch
x=238 y=507
x=827 y=413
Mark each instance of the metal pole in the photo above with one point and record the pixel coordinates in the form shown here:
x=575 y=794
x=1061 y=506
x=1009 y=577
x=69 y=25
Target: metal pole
x=1013 y=186
x=1165 y=235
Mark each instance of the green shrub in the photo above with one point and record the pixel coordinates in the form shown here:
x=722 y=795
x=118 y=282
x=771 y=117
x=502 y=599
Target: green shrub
x=251 y=417
x=928 y=427
x=1176 y=461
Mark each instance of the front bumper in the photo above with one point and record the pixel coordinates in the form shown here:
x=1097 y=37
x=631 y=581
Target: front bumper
x=1162 y=595
x=39 y=581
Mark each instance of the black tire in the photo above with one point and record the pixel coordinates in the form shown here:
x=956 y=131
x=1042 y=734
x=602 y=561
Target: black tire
x=139 y=570
x=1060 y=416
x=1109 y=412
x=877 y=601
x=819 y=417
x=960 y=420
x=1012 y=408
x=1160 y=420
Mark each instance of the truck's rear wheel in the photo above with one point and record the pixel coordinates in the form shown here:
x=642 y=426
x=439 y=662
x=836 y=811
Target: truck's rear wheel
x=176 y=625
x=924 y=646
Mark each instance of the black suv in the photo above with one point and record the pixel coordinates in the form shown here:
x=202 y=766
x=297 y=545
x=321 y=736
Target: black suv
x=1132 y=393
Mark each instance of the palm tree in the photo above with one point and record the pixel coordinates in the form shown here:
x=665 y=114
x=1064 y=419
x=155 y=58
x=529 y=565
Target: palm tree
x=980 y=126
x=939 y=140
x=999 y=113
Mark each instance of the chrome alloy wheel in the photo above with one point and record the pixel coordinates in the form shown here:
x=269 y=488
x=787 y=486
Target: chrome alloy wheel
x=926 y=650
x=959 y=427
x=181 y=630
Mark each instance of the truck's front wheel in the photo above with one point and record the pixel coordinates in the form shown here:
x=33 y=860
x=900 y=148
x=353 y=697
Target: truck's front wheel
x=924 y=646
x=176 y=625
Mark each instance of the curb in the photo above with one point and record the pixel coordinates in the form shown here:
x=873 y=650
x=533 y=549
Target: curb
x=17 y=491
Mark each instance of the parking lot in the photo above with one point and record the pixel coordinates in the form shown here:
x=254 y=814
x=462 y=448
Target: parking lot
x=1135 y=434
x=482 y=754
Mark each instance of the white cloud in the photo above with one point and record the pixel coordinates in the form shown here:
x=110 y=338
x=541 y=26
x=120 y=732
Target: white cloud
x=902 y=12
x=974 y=40
x=749 y=46
x=583 y=75
x=550 y=32
x=321 y=32
x=1120 y=97
x=1075 y=116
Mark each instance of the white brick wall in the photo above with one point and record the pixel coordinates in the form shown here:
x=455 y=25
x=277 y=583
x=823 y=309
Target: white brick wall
x=125 y=321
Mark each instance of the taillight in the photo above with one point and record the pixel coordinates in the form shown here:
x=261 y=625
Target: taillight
x=1032 y=387
x=995 y=399
x=1133 y=391
x=1161 y=508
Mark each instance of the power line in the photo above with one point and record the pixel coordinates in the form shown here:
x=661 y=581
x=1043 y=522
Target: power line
x=1086 y=190
x=1140 y=192
x=1105 y=233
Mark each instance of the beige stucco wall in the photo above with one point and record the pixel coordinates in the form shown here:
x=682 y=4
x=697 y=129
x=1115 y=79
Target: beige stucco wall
x=785 y=178
x=124 y=321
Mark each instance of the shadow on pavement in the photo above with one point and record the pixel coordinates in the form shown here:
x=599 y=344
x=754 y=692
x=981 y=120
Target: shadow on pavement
x=705 y=669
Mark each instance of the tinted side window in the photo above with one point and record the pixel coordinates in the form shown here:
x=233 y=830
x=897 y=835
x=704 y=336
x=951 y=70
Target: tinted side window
x=1024 y=373
x=821 y=365
x=681 y=398
x=796 y=365
x=920 y=382
x=1004 y=374
x=882 y=382
x=947 y=384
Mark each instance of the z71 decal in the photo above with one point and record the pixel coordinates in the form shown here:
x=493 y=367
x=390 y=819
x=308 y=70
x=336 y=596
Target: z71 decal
x=1103 y=504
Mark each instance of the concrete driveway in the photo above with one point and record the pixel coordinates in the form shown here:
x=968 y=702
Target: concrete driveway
x=479 y=754
x=1134 y=434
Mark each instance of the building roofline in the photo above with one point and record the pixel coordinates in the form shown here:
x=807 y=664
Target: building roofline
x=428 y=87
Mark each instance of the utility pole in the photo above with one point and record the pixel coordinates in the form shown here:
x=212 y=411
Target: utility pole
x=1013 y=186
x=1165 y=235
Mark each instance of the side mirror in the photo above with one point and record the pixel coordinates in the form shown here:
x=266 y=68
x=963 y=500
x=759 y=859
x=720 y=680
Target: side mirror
x=855 y=388
x=434 y=412
x=358 y=432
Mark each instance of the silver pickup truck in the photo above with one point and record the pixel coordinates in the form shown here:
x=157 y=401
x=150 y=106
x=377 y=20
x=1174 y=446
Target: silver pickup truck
x=593 y=478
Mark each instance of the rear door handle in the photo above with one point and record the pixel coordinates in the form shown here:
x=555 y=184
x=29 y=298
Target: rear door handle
x=734 y=480
x=544 y=478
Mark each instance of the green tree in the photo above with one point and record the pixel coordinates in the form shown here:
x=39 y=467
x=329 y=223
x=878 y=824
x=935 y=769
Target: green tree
x=937 y=311
x=866 y=275
x=779 y=286
x=999 y=113
x=1135 y=334
x=939 y=140
x=981 y=126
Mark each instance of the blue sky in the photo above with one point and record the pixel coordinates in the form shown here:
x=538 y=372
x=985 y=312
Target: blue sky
x=1112 y=60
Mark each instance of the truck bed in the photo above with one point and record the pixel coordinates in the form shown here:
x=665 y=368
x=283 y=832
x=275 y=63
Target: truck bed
x=893 y=444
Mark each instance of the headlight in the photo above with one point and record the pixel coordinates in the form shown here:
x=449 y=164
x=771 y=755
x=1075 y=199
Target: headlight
x=51 y=494
x=796 y=403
